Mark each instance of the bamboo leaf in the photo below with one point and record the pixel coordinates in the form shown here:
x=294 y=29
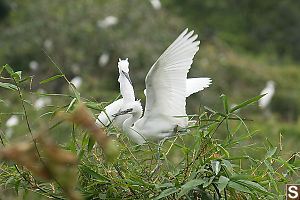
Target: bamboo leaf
x=245 y=103
x=190 y=185
x=51 y=79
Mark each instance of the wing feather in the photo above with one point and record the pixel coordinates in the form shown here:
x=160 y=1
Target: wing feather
x=167 y=79
x=194 y=85
x=106 y=117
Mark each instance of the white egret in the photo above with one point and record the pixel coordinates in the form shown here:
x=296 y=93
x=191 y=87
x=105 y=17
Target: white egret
x=107 y=22
x=41 y=102
x=156 y=4
x=76 y=81
x=269 y=90
x=12 y=121
x=34 y=65
x=167 y=87
x=127 y=92
x=48 y=44
x=103 y=59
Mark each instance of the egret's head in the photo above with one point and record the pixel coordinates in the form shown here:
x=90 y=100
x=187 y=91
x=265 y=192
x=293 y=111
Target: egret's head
x=134 y=108
x=271 y=83
x=123 y=65
x=123 y=68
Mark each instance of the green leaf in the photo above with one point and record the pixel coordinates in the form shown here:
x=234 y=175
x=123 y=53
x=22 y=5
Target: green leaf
x=91 y=144
x=245 y=103
x=228 y=166
x=9 y=70
x=1 y=69
x=240 y=177
x=52 y=78
x=274 y=183
x=17 y=184
x=236 y=128
x=2 y=101
x=28 y=102
x=17 y=74
x=8 y=86
x=167 y=192
x=25 y=193
x=255 y=186
x=224 y=150
x=71 y=104
x=271 y=152
x=238 y=187
x=77 y=94
x=225 y=104
x=269 y=166
x=190 y=185
x=93 y=174
x=24 y=79
x=222 y=183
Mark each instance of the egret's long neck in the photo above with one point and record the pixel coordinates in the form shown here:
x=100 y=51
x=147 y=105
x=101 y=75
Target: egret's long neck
x=126 y=88
x=127 y=127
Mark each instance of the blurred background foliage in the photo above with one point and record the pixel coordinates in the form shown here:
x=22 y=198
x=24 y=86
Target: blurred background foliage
x=243 y=45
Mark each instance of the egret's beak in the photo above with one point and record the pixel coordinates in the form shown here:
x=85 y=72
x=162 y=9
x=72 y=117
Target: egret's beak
x=127 y=76
x=122 y=112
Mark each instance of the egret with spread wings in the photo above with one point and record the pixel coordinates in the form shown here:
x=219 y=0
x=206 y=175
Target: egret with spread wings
x=167 y=87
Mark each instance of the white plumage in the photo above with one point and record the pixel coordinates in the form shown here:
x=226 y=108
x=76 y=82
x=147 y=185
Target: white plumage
x=106 y=117
x=269 y=90
x=166 y=86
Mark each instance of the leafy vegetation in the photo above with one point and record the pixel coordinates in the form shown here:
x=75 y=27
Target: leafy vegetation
x=197 y=165
x=232 y=152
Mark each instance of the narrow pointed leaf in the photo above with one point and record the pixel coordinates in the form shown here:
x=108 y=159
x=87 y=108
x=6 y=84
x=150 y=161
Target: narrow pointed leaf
x=245 y=103
x=52 y=78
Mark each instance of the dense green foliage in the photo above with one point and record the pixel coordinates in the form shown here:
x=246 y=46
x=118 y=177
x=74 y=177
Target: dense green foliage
x=243 y=45
x=197 y=165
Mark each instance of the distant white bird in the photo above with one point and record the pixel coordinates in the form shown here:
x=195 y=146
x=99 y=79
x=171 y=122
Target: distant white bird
x=127 y=92
x=156 y=4
x=103 y=59
x=48 y=44
x=12 y=121
x=34 y=65
x=76 y=81
x=41 y=102
x=269 y=90
x=167 y=87
x=107 y=22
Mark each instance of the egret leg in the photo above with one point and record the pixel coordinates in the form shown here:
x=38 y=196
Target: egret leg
x=159 y=148
x=159 y=162
x=182 y=133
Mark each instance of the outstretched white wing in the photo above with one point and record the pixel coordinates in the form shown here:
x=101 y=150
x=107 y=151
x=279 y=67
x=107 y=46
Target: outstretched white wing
x=194 y=85
x=106 y=117
x=166 y=80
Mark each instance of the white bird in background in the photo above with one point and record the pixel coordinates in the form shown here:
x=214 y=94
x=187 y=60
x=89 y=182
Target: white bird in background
x=107 y=116
x=269 y=90
x=156 y=4
x=103 y=59
x=41 y=102
x=48 y=44
x=12 y=121
x=34 y=65
x=76 y=81
x=167 y=87
x=107 y=22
